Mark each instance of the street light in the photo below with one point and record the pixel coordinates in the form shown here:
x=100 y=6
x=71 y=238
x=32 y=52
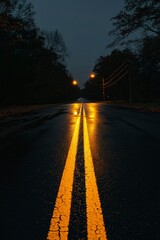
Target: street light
x=92 y=75
x=75 y=82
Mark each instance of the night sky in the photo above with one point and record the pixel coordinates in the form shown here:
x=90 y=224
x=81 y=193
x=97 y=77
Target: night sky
x=84 y=26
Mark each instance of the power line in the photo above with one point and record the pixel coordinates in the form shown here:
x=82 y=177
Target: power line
x=126 y=61
x=115 y=75
x=117 y=80
x=111 y=78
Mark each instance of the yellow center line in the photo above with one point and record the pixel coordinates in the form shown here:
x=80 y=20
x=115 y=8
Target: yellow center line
x=95 y=222
x=59 y=226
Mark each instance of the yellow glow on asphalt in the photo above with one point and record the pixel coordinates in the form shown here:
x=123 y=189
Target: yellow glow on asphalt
x=95 y=222
x=59 y=226
x=92 y=121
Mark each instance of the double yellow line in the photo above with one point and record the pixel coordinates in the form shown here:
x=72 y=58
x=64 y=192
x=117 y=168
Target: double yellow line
x=59 y=226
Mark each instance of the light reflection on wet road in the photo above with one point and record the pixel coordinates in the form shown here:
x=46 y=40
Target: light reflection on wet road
x=125 y=150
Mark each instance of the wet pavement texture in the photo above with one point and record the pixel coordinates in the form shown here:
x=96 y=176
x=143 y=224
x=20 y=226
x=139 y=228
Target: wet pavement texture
x=125 y=146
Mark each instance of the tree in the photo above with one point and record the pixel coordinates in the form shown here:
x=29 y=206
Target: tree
x=16 y=14
x=55 y=42
x=149 y=67
x=139 y=22
x=32 y=63
x=143 y=15
x=17 y=30
x=114 y=70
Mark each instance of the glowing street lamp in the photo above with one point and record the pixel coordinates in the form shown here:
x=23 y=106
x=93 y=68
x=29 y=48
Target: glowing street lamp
x=92 y=75
x=75 y=82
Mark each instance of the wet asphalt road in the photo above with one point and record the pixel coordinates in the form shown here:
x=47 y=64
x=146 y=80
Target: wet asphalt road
x=125 y=146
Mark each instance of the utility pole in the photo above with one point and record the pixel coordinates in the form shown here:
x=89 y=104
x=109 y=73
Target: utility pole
x=92 y=75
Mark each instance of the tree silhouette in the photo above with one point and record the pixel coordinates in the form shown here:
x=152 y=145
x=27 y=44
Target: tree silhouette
x=143 y=15
x=138 y=24
x=55 y=42
x=32 y=62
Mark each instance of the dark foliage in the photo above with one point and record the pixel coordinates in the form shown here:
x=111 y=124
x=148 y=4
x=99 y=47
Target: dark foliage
x=141 y=15
x=142 y=83
x=127 y=76
x=30 y=71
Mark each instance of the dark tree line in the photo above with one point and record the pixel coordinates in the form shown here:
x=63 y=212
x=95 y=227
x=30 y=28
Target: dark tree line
x=110 y=69
x=32 y=62
x=137 y=30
